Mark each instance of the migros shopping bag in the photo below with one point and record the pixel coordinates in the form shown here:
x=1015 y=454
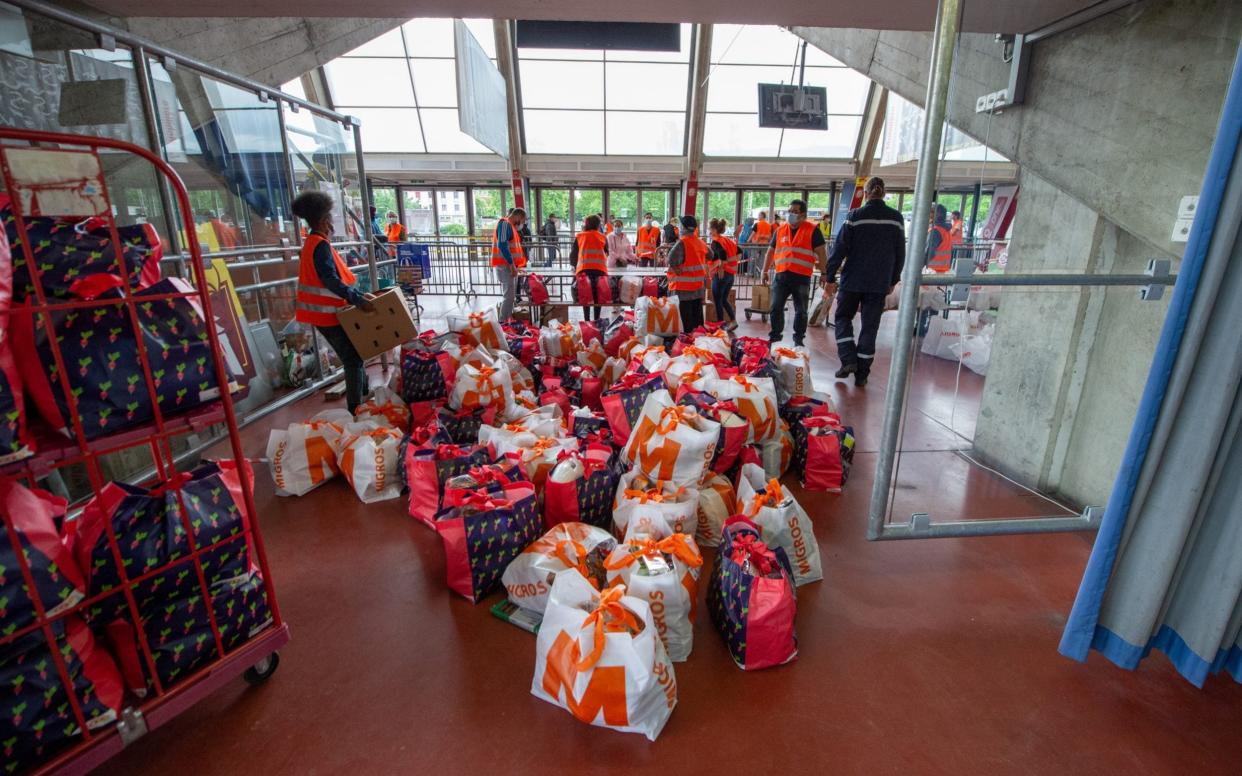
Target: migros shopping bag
x=483 y=533
x=369 y=461
x=648 y=507
x=479 y=329
x=303 y=457
x=782 y=520
x=659 y=316
x=528 y=579
x=672 y=442
x=751 y=599
x=665 y=574
x=598 y=655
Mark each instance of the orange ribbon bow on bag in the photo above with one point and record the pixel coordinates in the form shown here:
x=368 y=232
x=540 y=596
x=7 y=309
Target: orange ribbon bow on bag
x=769 y=497
x=677 y=545
x=558 y=552
x=609 y=616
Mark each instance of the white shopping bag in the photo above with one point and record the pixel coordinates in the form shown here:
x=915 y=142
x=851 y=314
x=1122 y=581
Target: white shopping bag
x=943 y=333
x=369 y=461
x=783 y=521
x=976 y=350
x=600 y=658
x=794 y=365
x=654 y=358
x=479 y=329
x=777 y=453
x=658 y=316
x=512 y=437
x=657 y=509
x=689 y=368
x=755 y=398
x=385 y=407
x=528 y=578
x=716 y=342
x=560 y=340
x=538 y=459
x=303 y=457
x=482 y=386
x=631 y=289
x=671 y=442
x=665 y=574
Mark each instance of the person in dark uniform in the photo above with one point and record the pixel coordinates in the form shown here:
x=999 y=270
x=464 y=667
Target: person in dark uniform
x=873 y=239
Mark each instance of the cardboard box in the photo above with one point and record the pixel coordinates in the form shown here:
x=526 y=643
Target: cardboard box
x=709 y=310
x=557 y=310
x=380 y=331
x=761 y=297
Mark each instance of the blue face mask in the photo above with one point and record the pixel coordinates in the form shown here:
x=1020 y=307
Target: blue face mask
x=794 y=218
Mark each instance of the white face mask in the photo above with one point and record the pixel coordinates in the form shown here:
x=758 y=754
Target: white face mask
x=794 y=218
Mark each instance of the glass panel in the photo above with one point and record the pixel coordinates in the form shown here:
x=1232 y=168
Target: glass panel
x=564 y=131
x=557 y=85
x=837 y=142
x=657 y=203
x=431 y=37
x=488 y=209
x=755 y=203
x=587 y=202
x=294 y=88
x=738 y=135
x=723 y=204
x=390 y=130
x=370 y=82
x=754 y=44
x=818 y=203
x=436 y=82
x=420 y=219
x=484 y=33
x=623 y=204
x=387 y=45
x=385 y=201
x=654 y=134
x=451 y=209
x=585 y=55
x=554 y=203
x=323 y=158
x=444 y=134
x=644 y=86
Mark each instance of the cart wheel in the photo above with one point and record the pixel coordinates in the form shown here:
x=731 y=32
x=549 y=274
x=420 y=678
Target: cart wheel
x=763 y=317
x=261 y=671
x=748 y=315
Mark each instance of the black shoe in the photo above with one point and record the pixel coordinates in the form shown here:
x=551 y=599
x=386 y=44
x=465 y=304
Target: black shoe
x=860 y=380
x=773 y=340
x=798 y=344
x=846 y=370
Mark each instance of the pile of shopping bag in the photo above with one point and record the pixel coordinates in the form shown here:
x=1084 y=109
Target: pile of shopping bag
x=581 y=470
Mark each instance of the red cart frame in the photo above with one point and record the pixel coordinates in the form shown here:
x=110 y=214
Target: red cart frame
x=162 y=705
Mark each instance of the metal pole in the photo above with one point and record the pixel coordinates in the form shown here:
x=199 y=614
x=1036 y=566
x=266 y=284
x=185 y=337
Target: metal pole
x=974 y=212
x=290 y=176
x=150 y=117
x=943 y=40
x=356 y=126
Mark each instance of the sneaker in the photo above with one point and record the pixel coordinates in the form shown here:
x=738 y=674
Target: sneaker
x=731 y=326
x=860 y=380
x=846 y=370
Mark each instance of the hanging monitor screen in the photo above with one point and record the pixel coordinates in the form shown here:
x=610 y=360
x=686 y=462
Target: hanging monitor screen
x=785 y=106
x=614 y=36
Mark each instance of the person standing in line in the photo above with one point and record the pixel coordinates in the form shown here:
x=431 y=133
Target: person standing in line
x=648 y=240
x=939 y=257
x=762 y=231
x=797 y=249
x=394 y=233
x=957 y=227
x=687 y=273
x=377 y=227
x=548 y=233
x=872 y=244
x=620 y=249
x=671 y=233
x=325 y=287
x=590 y=251
x=825 y=225
x=612 y=219
x=508 y=258
x=724 y=257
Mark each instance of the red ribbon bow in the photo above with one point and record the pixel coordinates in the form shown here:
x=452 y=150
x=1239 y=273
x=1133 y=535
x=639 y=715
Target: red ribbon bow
x=749 y=547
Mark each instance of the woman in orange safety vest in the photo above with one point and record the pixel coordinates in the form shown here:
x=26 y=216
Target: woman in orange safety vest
x=939 y=257
x=648 y=241
x=590 y=251
x=724 y=253
x=325 y=287
x=687 y=273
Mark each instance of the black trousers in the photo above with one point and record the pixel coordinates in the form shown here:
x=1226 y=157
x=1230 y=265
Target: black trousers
x=860 y=351
x=784 y=286
x=691 y=313
x=355 y=368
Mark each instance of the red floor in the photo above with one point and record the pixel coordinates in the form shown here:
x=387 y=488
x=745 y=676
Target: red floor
x=933 y=656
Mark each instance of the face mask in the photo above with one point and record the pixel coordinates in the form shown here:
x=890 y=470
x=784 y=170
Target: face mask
x=795 y=219
x=392 y=220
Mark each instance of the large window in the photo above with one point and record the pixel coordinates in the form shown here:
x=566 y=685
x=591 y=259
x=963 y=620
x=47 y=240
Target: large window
x=722 y=204
x=587 y=202
x=623 y=205
x=403 y=87
x=745 y=56
x=554 y=203
x=579 y=101
x=420 y=214
x=489 y=207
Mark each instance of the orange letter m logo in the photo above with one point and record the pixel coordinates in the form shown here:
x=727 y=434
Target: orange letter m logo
x=604 y=692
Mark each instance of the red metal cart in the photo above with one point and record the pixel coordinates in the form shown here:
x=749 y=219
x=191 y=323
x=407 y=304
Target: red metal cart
x=72 y=184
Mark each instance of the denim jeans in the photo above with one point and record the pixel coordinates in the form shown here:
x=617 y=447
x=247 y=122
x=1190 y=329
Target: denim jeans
x=785 y=285
x=355 y=369
x=507 y=278
x=721 y=286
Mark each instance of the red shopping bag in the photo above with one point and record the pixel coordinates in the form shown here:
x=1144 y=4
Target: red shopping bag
x=580 y=488
x=603 y=290
x=590 y=331
x=483 y=533
x=623 y=402
x=538 y=290
x=651 y=286
x=751 y=598
x=829 y=453
x=427 y=469
x=556 y=396
x=583 y=291
x=616 y=336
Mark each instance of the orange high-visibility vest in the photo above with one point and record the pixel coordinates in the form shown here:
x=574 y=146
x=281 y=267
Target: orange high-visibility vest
x=315 y=304
x=731 y=251
x=609 y=229
x=692 y=274
x=793 y=249
x=762 y=232
x=648 y=241
x=395 y=232
x=591 y=253
x=515 y=247
x=942 y=259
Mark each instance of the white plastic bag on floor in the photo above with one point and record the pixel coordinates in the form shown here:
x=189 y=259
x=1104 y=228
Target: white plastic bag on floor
x=657 y=509
x=386 y=407
x=528 y=578
x=657 y=316
x=665 y=574
x=794 y=365
x=671 y=442
x=944 y=333
x=718 y=341
x=783 y=521
x=688 y=368
x=600 y=658
x=369 y=461
x=976 y=350
x=303 y=457
x=777 y=453
x=479 y=329
x=512 y=437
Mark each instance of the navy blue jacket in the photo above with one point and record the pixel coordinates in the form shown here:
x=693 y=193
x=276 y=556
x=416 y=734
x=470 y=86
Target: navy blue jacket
x=872 y=243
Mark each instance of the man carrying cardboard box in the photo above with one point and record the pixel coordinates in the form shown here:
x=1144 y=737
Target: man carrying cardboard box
x=325 y=287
